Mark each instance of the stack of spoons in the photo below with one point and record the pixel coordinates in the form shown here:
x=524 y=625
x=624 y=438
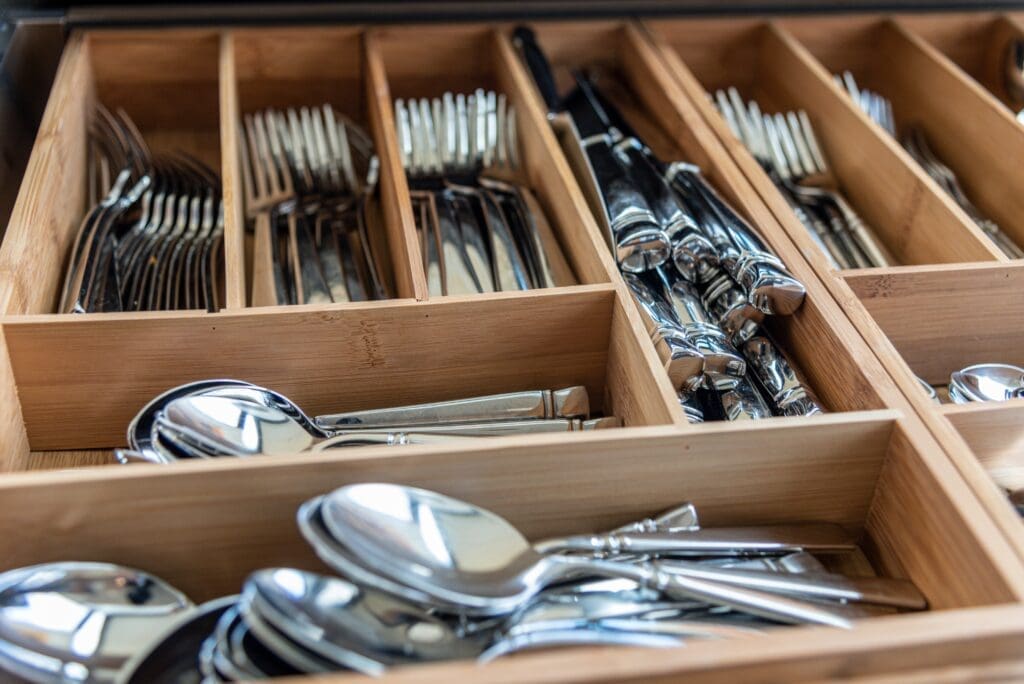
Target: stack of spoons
x=224 y=418
x=424 y=577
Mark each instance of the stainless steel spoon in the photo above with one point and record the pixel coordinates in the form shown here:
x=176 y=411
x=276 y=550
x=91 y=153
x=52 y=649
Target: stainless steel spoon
x=470 y=557
x=78 y=621
x=986 y=382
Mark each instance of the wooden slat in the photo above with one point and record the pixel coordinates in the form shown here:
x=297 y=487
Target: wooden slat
x=327 y=359
x=231 y=178
x=901 y=646
x=545 y=484
x=52 y=197
x=942 y=320
x=995 y=433
x=410 y=278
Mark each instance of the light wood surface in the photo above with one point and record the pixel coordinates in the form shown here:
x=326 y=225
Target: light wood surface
x=881 y=473
x=231 y=179
x=755 y=476
x=325 y=358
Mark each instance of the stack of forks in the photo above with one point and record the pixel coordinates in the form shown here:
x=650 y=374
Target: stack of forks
x=153 y=237
x=309 y=177
x=480 y=229
x=915 y=142
x=787 y=148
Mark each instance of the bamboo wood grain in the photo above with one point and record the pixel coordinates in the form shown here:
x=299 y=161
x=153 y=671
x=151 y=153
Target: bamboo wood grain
x=894 y=645
x=995 y=433
x=326 y=358
x=586 y=486
x=410 y=278
x=750 y=479
x=946 y=319
x=231 y=178
x=51 y=200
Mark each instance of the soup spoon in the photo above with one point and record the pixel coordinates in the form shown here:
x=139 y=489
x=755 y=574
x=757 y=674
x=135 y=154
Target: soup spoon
x=469 y=557
x=224 y=425
x=986 y=382
x=77 y=621
x=140 y=428
x=354 y=626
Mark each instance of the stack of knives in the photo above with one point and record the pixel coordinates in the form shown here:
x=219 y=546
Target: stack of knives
x=702 y=276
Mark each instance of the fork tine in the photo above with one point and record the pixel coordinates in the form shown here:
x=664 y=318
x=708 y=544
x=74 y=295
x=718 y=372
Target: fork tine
x=502 y=124
x=801 y=145
x=778 y=157
x=259 y=154
x=812 y=142
x=788 y=146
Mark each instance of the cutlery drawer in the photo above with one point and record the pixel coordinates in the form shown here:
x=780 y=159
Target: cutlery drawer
x=906 y=507
x=70 y=384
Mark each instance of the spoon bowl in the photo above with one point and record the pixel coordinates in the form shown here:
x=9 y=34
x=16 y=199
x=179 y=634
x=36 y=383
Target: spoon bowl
x=82 y=620
x=986 y=382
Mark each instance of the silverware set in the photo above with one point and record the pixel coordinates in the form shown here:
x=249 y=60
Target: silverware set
x=309 y=175
x=231 y=418
x=152 y=239
x=915 y=142
x=786 y=146
x=480 y=228
x=702 y=276
x=423 y=577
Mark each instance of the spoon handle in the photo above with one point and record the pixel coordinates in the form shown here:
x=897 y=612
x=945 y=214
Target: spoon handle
x=715 y=541
x=681 y=587
x=571 y=402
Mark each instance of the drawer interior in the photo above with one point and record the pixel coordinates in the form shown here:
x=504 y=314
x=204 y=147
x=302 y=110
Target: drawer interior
x=938 y=322
x=767 y=63
x=166 y=81
x=977 y=138
x=347 y=359
x=427 y=62
x=866 y=475
x=69 y=385
x=633 y=78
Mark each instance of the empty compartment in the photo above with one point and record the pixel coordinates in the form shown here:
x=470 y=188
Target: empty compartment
x=313 y=69
x=357 y=357
x=167 y=83
x=424 y=66
x=905 y=211
x=818 y=340
x=911 y=516
x=976 y=140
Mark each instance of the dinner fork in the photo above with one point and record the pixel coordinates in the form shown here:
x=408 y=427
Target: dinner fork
x=478 y=224
x=914 y=140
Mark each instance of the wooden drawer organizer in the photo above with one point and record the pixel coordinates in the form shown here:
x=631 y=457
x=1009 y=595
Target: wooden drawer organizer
x=869 y=463
x=943 y=312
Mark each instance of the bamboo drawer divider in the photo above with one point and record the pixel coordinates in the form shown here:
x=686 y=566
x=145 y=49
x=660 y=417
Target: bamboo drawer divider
x=69 y=384
x=929 y=317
